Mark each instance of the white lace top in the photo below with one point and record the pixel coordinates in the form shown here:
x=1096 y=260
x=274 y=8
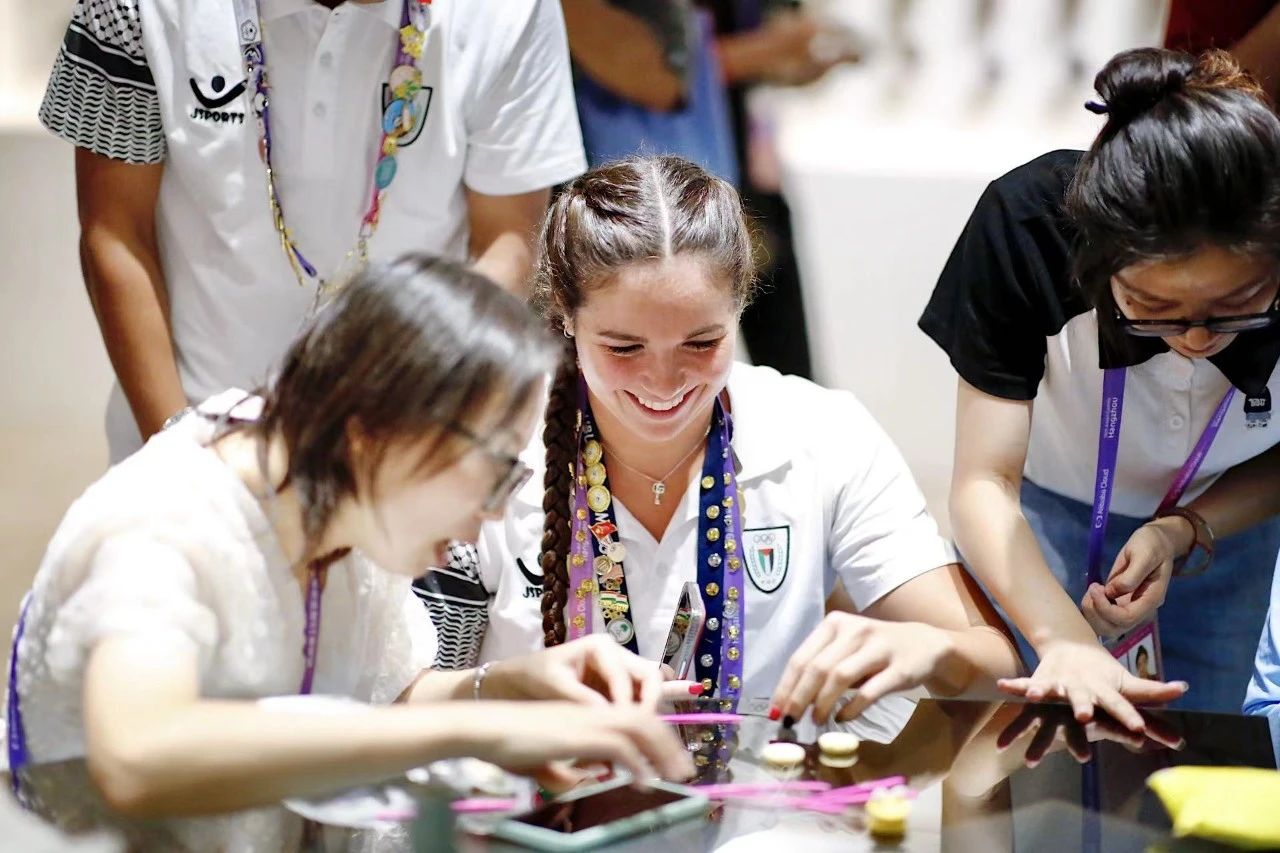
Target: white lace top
x=172 y=546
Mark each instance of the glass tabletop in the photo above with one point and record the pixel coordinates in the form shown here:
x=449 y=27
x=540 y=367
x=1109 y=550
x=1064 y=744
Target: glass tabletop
x=969 y=793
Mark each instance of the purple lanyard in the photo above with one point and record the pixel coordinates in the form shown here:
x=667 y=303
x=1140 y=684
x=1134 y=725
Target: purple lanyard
x=16 y=735
x=311 y=633
x=1108 y=450
x=721 y=652
x=398 y=118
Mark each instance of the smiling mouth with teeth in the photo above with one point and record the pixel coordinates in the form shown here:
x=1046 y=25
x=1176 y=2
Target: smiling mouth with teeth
x=656 y=406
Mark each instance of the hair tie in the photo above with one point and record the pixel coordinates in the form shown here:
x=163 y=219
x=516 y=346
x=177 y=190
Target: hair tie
x=1097 y=108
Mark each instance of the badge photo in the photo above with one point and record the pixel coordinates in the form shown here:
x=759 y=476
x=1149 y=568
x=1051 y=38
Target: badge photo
x=767 y=554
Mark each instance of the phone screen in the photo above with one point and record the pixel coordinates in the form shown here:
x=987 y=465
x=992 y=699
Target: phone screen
x=599 y=808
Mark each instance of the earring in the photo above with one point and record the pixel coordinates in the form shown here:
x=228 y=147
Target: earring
x=568 y=334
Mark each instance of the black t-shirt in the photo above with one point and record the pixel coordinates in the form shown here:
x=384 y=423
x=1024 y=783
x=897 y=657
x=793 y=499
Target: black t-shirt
x=1007 y=289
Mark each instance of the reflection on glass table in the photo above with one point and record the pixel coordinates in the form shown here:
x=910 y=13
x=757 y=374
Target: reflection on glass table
x=982 y=777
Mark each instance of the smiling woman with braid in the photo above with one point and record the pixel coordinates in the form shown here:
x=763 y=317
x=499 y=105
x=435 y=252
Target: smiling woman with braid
x=662 y=461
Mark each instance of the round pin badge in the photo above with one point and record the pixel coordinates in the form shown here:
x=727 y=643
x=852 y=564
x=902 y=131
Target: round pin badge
x=592 y=452
x=615 y=551
x=602 y=565
x=384 y=173
x=622 y=630
x=391 y=116
x=595 y=474
x=403 y=75
x=598 y=499
x=673 y=644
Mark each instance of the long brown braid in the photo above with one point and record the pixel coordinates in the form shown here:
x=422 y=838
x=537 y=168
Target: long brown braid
x=632 y=211
x=558 y=433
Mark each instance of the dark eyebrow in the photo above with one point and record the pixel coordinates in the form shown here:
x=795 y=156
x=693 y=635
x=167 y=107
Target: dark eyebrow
x=1139 y=292
x=706 y=330
x=623 y=336
x=1250 y=285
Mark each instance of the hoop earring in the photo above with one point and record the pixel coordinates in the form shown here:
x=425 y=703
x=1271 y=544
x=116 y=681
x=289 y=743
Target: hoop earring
x=568 y=334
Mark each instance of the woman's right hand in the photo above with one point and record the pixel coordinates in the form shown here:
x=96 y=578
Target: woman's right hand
x=526 y=737
x=1085 y=675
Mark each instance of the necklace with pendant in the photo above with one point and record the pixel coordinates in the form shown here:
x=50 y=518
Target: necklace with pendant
x=659 y=484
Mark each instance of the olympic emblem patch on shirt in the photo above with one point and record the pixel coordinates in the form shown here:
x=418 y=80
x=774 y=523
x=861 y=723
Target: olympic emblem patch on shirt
x=768 y=552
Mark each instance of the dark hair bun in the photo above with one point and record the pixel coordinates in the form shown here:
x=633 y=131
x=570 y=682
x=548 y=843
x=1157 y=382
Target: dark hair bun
x=1136 y=81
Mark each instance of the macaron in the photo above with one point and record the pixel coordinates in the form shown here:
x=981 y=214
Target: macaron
x=887 y=814
x=782 y=757
x=838 y=749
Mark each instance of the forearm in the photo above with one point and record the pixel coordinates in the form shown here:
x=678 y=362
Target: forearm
x=621 y=53
x=213 y=756
x=127 y=292
x=503 y=229
x=503 y=680
x=1242 y=497
x=1002 y=551
x=507 y=259
x=1259 y=52
x=746 y=57
x=433 y=685
x=976 y=658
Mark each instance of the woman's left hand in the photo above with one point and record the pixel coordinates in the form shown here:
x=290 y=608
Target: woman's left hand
x=847 y=651
x=1139 y=579
x=593 y=669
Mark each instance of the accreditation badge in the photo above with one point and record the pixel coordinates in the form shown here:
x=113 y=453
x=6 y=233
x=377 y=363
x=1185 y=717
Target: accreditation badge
x=1139 y=651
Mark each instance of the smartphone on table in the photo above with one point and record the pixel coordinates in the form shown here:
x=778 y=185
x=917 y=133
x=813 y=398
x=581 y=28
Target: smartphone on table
x=602 y=814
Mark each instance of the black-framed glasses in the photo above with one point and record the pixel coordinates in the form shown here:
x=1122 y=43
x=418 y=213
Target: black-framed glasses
x=1218 y=325
x=514 y=472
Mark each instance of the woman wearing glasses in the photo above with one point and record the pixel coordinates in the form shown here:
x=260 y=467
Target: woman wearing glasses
x=1128 y=292
x=264 y=545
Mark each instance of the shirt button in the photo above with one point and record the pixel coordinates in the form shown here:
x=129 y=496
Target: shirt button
x=319 y=110
x=1176 y=422
x=326 y=59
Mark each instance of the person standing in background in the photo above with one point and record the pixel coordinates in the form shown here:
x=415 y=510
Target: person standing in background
x=236 y=163
x=680 y=89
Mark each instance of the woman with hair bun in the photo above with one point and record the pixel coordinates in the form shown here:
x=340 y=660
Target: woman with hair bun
x=1127 y=292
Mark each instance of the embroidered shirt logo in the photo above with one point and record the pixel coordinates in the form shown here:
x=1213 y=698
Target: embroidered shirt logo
x=768 y=555
x=210 y=107
x=533 y=581
x=1257 y=409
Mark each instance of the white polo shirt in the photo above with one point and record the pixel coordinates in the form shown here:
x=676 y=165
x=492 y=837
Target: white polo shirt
x=822 y=485
x=1016 y=326
x=151 y=81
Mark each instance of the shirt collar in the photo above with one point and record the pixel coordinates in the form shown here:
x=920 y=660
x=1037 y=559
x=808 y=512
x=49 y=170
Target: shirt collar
x=388 y=11
x=1247 y=363
x=759 y=450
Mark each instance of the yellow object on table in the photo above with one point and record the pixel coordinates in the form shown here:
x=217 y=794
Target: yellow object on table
x=887 y=814
x=1239 y=806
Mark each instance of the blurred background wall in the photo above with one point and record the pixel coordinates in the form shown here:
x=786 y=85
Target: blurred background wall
x=881 y=161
